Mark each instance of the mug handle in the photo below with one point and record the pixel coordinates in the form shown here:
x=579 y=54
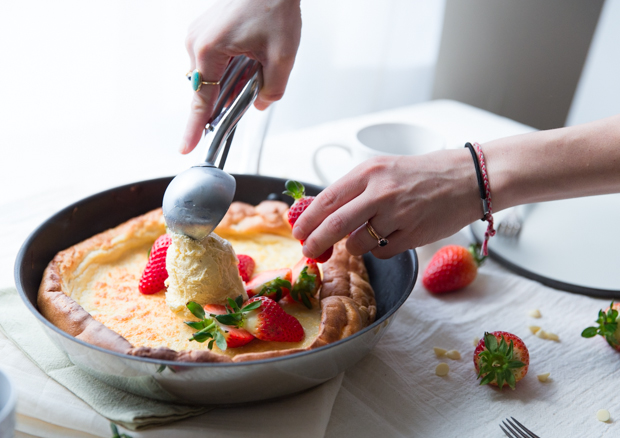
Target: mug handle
x=315 y=162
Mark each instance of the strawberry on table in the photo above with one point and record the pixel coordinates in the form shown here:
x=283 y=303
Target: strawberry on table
x=306 y=281
x=501 y=359
x=210 y=329
x=154 y=275
x=608 y=326
x=275 y=284
x=246 y=266
x=451 y=268
x=297 y=191
x=263 y=318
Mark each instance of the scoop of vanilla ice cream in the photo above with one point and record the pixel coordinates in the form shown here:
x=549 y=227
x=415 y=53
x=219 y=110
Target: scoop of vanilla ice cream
x=202 y=271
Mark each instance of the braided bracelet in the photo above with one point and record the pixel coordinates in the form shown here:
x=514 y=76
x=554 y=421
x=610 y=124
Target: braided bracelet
x=485 y=193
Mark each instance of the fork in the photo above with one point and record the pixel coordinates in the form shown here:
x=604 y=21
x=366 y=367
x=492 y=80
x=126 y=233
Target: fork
x=516 y=430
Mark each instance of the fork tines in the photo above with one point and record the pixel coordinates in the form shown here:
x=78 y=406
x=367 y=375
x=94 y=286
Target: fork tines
x=516 y=430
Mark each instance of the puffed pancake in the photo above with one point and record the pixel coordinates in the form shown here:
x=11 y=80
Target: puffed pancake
x=90 y=290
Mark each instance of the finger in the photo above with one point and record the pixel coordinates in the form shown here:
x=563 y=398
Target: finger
x=276 y=72
x=361 y=241
x=212 y=65
x=328 y=201
x=338 y=225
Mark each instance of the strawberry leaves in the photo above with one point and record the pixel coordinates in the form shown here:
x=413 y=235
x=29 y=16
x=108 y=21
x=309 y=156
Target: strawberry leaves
x=274 y=288
x=234 y=312
x=294 y=189
x=497 y=362
x=607 y=327
x=303 y=287
x=208 y=330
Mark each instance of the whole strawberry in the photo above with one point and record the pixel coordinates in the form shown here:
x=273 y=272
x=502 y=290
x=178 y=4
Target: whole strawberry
x=246 y=266
x=608 y=326
x=263 y=318
x=452 y=267
x=154 y=275
x=501 y=359
x=297 y=191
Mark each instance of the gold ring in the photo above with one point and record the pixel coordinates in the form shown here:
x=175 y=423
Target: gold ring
x=381 y=241
x=195 y=77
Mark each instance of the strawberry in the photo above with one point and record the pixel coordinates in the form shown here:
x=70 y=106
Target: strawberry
x=608 y=326
x=499 y=363
x=246 y=267
x=154 y=274
x=263 y=318
x=274 y=284
x=211 y=329
x=452 y=267
x=306 y=281
x=297 y=191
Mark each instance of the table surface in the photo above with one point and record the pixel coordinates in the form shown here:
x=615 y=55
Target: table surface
x=394 y=391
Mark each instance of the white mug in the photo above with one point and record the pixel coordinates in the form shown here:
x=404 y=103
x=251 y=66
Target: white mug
x=383 y=139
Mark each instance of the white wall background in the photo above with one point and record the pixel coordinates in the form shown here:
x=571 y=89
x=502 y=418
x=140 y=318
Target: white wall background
x=89 y=88
x=598 y=92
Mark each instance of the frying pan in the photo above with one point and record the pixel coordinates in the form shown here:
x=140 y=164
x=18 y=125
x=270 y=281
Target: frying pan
x=206 y=383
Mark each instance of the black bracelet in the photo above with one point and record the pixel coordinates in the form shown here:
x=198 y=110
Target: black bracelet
x=483 y=194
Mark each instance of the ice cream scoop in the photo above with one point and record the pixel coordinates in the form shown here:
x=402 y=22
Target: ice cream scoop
x=197 y=199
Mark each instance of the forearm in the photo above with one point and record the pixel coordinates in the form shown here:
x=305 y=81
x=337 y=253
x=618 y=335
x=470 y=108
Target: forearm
x=556 y=164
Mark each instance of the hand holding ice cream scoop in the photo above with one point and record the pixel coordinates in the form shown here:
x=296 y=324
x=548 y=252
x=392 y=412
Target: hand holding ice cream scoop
x=197 y=199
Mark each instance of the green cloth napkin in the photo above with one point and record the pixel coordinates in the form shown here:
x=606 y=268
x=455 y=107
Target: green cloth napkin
x=131 y=411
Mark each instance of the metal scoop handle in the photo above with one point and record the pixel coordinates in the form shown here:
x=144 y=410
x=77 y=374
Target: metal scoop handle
x=239 y=87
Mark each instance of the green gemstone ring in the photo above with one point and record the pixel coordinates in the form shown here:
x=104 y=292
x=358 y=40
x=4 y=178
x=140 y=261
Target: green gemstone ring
x=195 y=77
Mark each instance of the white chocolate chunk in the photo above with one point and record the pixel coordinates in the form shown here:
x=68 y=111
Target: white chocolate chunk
x=442 y=369
x=476 y=341
x=541 y=334
x=603 y=415
x=440 y=352
x=552 y=337
x=543 y=377
x=453 y=354
x=534 y=313
x=534 y=329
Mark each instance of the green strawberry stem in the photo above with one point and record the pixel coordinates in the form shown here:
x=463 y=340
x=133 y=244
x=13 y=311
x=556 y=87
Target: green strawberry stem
x=294 y=189
x=303 y=286
x=208 y=330
x=474 y=249
x=607 y=326
x=274 y=287
x=497 y=363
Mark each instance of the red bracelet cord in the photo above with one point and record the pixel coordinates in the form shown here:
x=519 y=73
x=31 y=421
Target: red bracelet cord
x=490 y=232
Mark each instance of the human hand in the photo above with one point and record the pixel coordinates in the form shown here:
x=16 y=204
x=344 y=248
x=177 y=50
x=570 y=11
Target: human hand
x=411 y=201
x=265 y=30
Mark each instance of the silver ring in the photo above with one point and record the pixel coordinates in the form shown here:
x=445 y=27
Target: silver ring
x=381 y=241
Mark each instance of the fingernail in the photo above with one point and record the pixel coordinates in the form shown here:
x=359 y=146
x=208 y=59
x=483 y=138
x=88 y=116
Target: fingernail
x=182 y=148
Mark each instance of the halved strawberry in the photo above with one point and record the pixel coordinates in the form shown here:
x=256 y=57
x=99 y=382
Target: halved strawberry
x=274 y=284
x=246 y=266
x=297 y=191
x=501 y=358
x=306 y=281
x=264 y=318
x=608 y=326
x=154 y=274
x=210 y=329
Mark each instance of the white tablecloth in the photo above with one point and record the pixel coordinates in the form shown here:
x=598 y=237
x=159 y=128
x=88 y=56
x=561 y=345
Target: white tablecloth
x=393 y=391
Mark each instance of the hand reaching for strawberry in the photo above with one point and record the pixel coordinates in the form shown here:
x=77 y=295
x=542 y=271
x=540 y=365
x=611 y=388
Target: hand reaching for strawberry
x=410 y=200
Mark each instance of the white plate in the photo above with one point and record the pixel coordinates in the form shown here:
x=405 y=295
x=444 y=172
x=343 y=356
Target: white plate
x=572 y=244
